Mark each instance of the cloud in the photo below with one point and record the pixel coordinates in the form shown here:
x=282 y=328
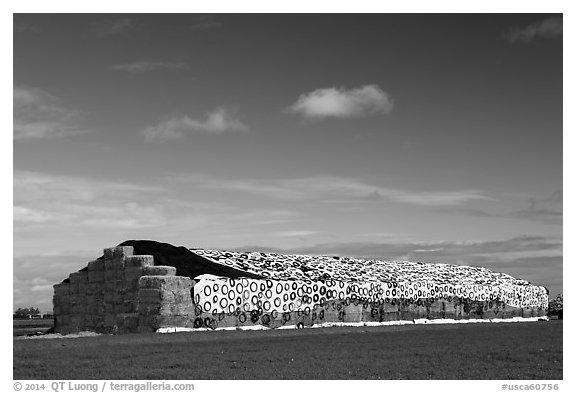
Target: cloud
x=35 y=275
x=113 y=27
x=38 y=114
x=23 y=214
x=447 y=251
x=332 y=189
x=202 y=22
x=547 y=28
x=340 y=103
x=141 y=67
x=295 y=233
x=537 y=259
x=547 y=209
x=47 y=206
x=219 y=121
x=42 y=200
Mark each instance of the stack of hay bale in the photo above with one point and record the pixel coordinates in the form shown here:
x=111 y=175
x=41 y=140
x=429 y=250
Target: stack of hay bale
x=122 y=292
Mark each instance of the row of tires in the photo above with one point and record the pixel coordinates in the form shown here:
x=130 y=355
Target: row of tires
x=314 y=268
x=221 y=294
x=336 y=311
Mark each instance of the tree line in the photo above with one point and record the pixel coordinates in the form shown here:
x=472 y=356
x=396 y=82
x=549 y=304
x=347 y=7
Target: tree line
x=24 y=312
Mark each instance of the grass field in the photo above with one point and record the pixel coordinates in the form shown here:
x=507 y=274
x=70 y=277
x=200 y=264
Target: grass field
x=531 y=350
x=21 y=327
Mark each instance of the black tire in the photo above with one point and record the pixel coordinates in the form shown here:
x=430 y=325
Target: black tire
x=213 y=324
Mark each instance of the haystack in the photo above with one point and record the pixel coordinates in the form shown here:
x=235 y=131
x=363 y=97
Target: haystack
x=143 y=286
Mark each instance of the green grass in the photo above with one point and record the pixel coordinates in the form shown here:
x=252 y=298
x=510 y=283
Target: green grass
x=530 y=350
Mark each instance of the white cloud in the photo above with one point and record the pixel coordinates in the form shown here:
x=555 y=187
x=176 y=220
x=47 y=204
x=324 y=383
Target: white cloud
x=29 y=215
x=141 y=67
x=333 y=189
x=38 y=114
x=548 y=28
x=45 y=200
x=295 y=233
x=340 y=103
x=202 y=22
x=112 y=27
x=217 y=122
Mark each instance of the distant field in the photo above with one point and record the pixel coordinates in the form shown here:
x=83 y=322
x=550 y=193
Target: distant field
x=21 y=327
x=524 y=350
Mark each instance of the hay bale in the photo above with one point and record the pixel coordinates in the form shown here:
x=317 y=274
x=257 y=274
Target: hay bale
x=56 y=308
x=95 y=289
x=127 y=322
x=73 y=283
x=114 y=264
x=183 y=297
x=528 y=312
x=64 y=307
x=76 y=322
x=132 y=273
x=149 y=323
x=449 y=310
x=88 y=322
x=118 y=252
x=109 y=320
x=75 y=299
x=83 y=288
x=476 y=310
x=165 y=282
x=171 y=320
x=108 y=308
x=96 y=266
x=352 y=313
x=62 y=289
x=159 y=271
x=109 y=292
x=330 y=313
x=174 y=308
x=77 y=277
x=130 y=306
x=436 y=310
x=139 y=261
x=459 y=310
x=153 y=295
x=148 y=308
x=91 y=302
x=95 y=276
x=129 y=293
x=114 y=275
x=78 y=308
x=61 y=323
x=95 y=309
x=224 y=320
x=301 y=319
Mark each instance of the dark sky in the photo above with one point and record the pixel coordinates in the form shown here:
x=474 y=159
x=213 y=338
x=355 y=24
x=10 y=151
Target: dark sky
x=432 y=136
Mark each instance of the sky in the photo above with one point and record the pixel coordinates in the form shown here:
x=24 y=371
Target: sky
x=428 y=137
